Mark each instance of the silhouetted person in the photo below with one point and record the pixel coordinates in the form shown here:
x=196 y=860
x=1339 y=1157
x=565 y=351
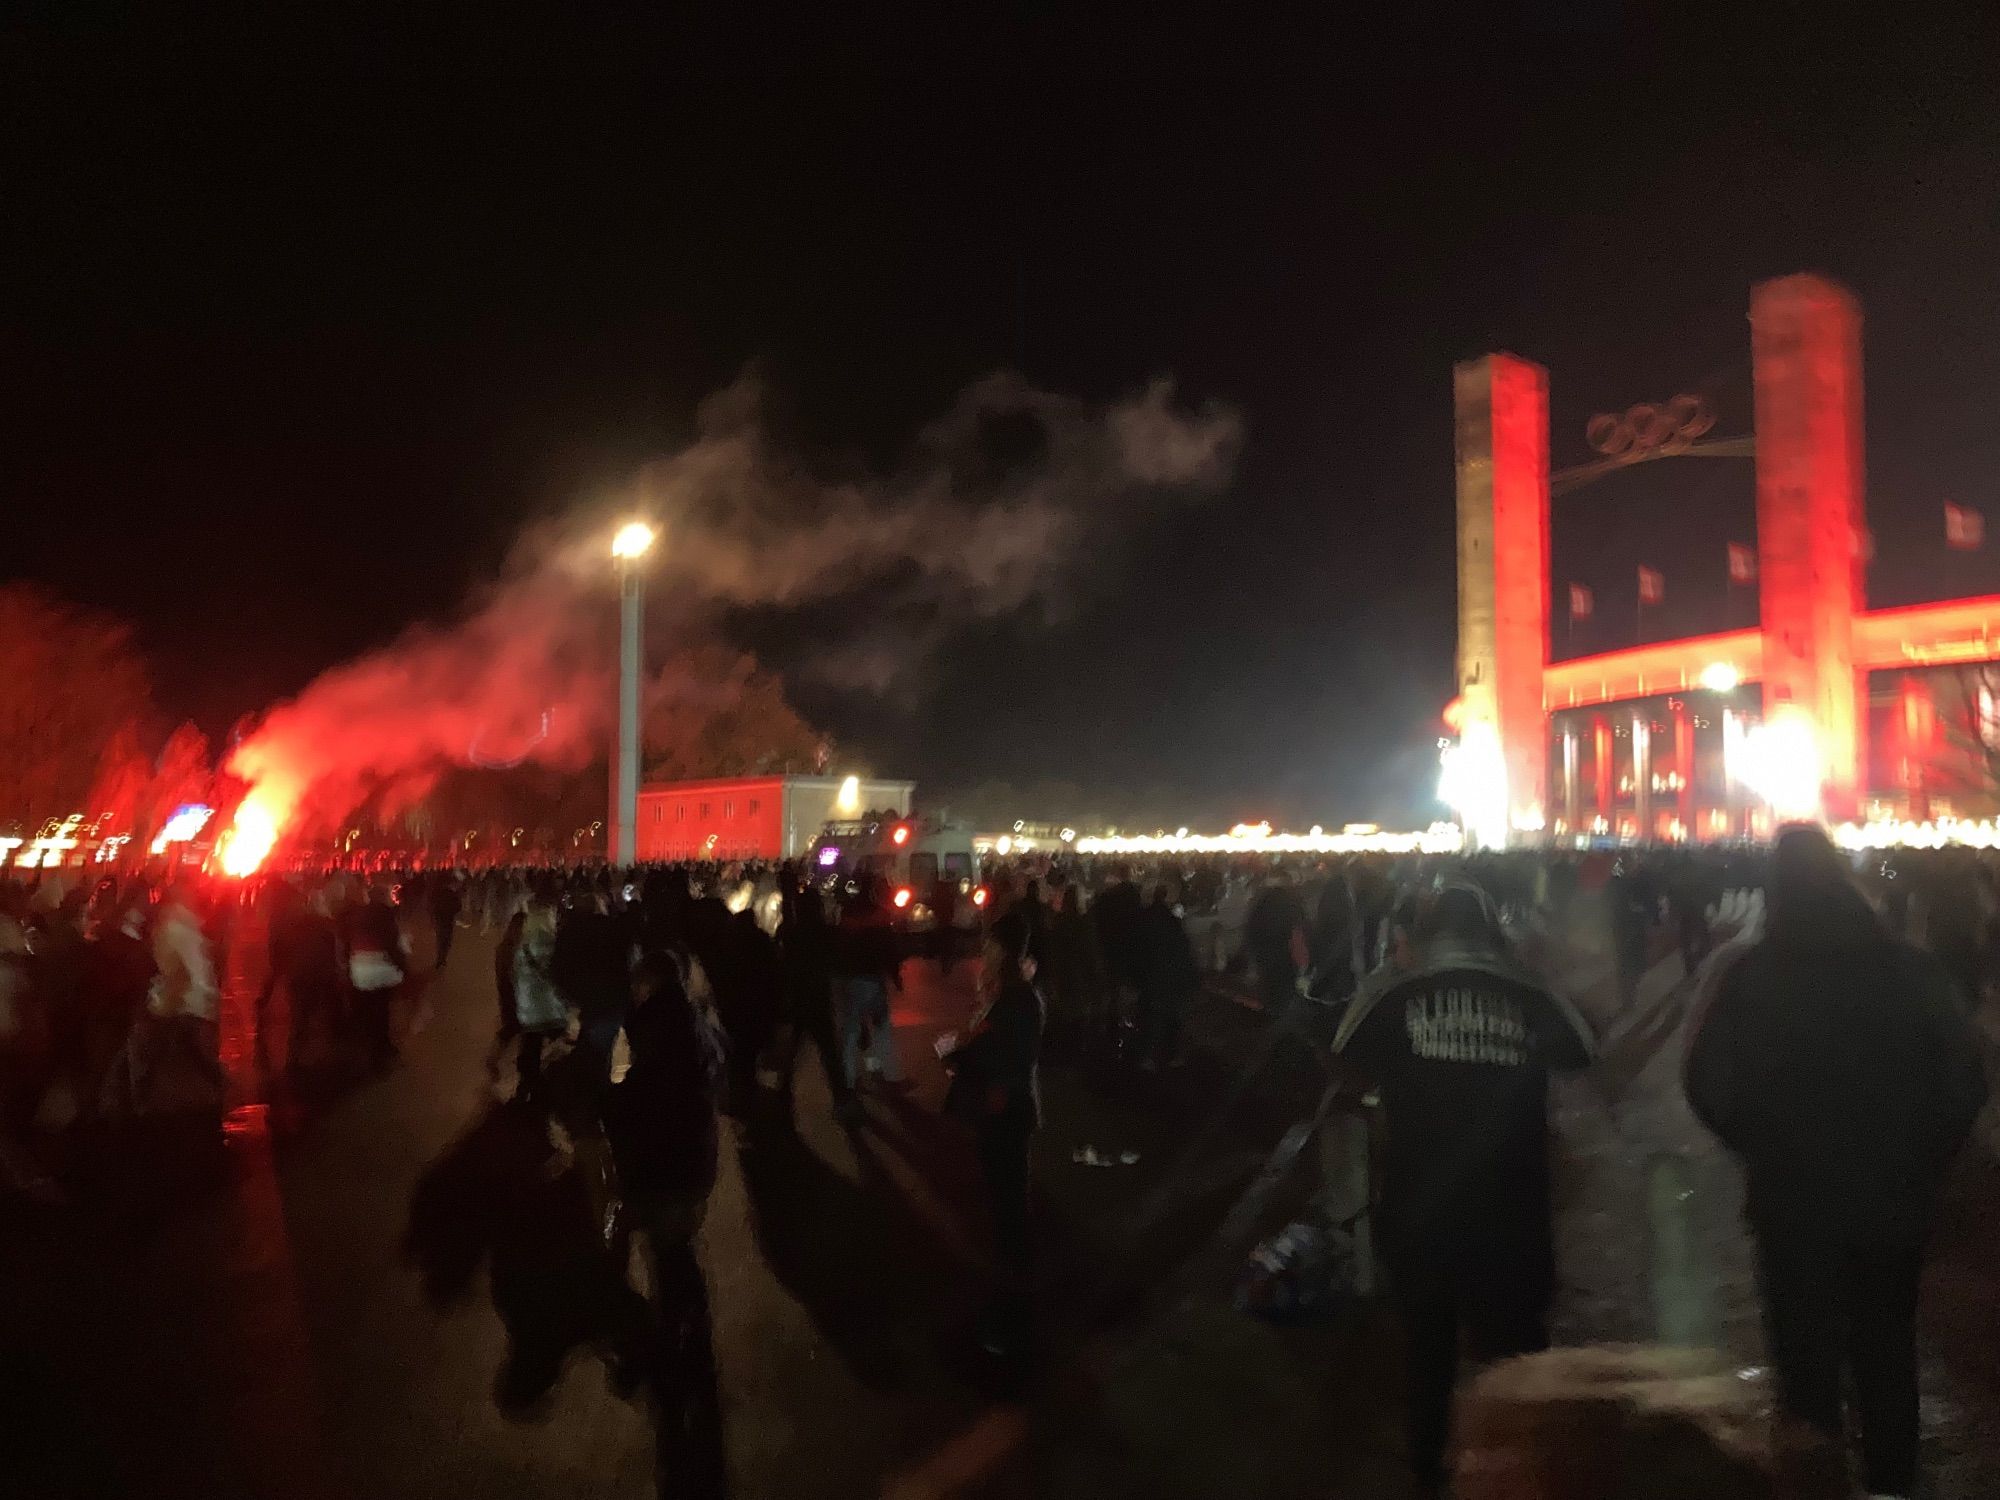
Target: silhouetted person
x=1115 y=914
x=1461 y=1042
x=377 y=966
x=995 y=1088
x=593 y=973
x=1168 y=977
x=1274 y=934
x=805 y=946
x=867 y=966
x=1836 y=1062
x=538 y=1011
x=446 y=900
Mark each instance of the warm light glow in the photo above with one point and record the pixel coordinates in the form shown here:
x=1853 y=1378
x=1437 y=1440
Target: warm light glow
x=1720 y=677
x=243 y=849
x=1472 y=781
x=900 y=834
x=902 y=897
x=1439 y=838
x=1780 y=762
x=634 y=539
x=848 y=799
x=979 y=896
x=1891 y=833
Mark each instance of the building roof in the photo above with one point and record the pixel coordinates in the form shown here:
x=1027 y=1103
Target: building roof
x=777 y=779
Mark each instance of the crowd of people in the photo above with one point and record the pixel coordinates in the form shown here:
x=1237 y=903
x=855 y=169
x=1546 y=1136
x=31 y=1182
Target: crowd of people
x=1831 y=1049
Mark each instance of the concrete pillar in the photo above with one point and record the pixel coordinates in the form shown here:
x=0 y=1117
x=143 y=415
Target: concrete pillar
x=1805 y=342
x=1920 y=738
x=1642 y=772
x=1684 y=763
x=1572 y=793
x=1502 y=418
x=1601 y=752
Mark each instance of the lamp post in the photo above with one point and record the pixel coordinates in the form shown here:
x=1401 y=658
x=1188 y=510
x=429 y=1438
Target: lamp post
x=633 y=542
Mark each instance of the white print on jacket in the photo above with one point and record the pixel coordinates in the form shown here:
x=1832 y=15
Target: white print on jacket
x=1475 y=1026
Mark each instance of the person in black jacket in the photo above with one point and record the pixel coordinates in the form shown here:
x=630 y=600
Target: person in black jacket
x=1462 y=1041
x=593 y=972
x=1168 y=977
x=1835 y=1061
x=446 y=901
x=805 y=943
x=996 y=1088
x=1116 y=913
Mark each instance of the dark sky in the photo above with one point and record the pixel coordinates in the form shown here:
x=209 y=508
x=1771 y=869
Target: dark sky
x=297 y=330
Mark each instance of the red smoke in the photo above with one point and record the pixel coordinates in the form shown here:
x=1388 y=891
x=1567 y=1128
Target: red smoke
x=953 y=535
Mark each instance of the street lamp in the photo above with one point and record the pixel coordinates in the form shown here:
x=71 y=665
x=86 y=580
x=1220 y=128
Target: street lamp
x=633 y=541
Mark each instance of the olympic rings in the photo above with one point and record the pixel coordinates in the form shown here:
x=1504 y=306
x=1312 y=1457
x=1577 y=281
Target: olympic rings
x=1649 y=428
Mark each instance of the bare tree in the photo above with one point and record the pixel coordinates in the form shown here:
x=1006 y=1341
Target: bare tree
x=73 y=682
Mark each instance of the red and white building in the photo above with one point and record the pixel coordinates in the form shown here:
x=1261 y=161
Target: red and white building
x=755 y=817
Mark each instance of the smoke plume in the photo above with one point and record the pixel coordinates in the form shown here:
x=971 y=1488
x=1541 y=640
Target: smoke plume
x=999 y=503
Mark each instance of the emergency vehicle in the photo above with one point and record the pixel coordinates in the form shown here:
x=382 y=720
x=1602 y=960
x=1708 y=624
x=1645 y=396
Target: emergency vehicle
x=929 y=867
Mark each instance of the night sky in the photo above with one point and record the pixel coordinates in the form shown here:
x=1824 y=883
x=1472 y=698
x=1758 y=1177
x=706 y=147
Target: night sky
x=300 y=330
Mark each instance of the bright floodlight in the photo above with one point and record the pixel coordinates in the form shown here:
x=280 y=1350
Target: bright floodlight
x=634 y=539
x=1720 y=677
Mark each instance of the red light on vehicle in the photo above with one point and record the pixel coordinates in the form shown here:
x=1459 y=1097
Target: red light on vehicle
x=900 y=834
x=979 y=896
x=902 y=896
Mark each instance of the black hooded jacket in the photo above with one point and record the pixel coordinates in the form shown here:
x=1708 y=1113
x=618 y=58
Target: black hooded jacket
x=1835 y=1062
x=1462 y=1045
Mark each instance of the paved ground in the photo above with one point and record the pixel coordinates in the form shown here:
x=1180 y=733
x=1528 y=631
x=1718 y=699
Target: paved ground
x=266 y=1329
x=262 y=1325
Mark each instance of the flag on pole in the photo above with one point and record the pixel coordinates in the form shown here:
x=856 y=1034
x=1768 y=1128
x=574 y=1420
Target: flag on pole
x=1742 y=563
x=1581 y=602
x=1964 y=528
x=1652 y=587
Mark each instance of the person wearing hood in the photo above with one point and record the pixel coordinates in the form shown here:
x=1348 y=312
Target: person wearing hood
x=1461 y=1041
x=1837 y=1063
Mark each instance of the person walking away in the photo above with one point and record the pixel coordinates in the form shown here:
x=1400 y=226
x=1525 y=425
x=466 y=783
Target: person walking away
x=446 y=901
x=805 y=944
x=120 y=977
x=593 y=973
x=528 y=989
x=1274 y=935
x=179 y=1067
x=1837 y=1064
x=1461 y=1043
x=996 y=1089
x=1024 y=926
x=316 y=978
x=758 y=975
x=284 y=906
x=869 y=968
x=23 y=1059
x=1116 y=914
x=1333 y=939
x=376 y=966
x=1074 y=974
x=660 y=1123
x=1168 y=978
